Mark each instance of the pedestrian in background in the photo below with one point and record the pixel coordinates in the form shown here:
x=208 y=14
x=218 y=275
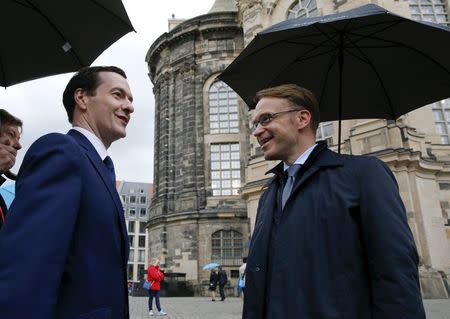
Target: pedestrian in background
x=241 y=280
x=154 y=277
x=222 y=282
x=213 y=280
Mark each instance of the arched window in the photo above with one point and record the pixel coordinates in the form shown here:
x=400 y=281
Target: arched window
x=223 y=109
x=303 y=9
x=227 y=247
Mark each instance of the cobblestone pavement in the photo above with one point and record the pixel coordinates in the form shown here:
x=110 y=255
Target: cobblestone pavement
x=231 y=308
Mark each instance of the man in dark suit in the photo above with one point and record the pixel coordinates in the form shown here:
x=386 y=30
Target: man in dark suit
x=64 y=245
x=331 y=238
x=10 y=130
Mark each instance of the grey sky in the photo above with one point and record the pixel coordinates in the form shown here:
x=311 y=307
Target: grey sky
x=38 y=103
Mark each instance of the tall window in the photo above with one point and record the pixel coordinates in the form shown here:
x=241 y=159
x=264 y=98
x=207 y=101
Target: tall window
x=441 y=114
x=435 y=11
x=141 y=241
x=429 y=10
x=131 y=226
x=303 y=9
x=131 y=255
x=227 y=247
x=223 y=110
x=225 y=169
x=141 y=272
x=130 y=272
x=325 y=132
x=141 y=256
x=142 y=228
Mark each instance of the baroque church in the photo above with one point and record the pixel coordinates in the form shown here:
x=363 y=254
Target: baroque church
x=209 y=171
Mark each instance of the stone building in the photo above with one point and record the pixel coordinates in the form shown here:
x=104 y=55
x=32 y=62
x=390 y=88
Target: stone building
x=201 y=147
x=193 y=138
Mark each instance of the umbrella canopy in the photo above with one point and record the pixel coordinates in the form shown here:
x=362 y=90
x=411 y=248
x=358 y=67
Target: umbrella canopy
x=48 y=37
x=7 y=191
x=362 y=63
x=210 y=266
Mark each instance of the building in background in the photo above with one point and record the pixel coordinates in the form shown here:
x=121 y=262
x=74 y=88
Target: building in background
x=136 y=199
x=210 y=172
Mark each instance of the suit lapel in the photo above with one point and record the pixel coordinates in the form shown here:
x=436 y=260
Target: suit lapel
x=97 y=162
x=321 y=157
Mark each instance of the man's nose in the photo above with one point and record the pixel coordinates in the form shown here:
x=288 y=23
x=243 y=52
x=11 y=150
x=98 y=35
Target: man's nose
x=17 y=145
x=258 y=130
x=129 y=106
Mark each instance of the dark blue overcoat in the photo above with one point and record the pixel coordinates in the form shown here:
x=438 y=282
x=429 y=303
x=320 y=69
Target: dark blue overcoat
x=64 y=243
x=340 y=249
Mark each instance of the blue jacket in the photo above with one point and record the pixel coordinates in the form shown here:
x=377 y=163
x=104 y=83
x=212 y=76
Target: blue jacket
x=64 y=243
x=340 y=249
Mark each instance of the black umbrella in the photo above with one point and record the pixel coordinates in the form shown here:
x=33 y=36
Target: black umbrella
x=47 y=37
x=362 y=63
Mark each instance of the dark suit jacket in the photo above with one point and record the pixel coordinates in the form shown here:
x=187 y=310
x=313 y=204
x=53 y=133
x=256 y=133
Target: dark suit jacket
x=64 y=245
x=340 y=249
x=2 y=203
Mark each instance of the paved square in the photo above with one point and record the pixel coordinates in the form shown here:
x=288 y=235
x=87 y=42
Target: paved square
x=231 y=308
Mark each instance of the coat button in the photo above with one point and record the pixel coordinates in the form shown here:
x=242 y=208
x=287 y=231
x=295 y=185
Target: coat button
x=257 y=269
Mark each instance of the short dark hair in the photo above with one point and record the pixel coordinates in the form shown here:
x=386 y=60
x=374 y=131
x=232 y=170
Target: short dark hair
x=7 y=118
x=298 y=96
x=88 y=80
x=244 y=260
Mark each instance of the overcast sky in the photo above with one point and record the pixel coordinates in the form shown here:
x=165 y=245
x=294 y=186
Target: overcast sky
x=38 y=103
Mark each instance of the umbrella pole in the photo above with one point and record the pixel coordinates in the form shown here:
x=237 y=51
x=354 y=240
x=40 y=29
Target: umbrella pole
x=341 y=65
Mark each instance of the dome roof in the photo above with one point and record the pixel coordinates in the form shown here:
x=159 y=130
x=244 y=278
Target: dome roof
x=224 y=6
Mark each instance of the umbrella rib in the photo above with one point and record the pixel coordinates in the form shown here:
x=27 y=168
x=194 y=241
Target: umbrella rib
x=2 y=71
x=35 y=8
x=300 y=58
x=113 y=14
x=415 y=50
x=330 y=66
x=369 y=62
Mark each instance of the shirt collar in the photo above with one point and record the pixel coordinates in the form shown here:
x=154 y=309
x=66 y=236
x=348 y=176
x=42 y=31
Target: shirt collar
x=94 y=140
x=302 y=158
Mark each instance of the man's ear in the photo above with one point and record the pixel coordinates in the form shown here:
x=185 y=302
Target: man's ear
x=80 y=99
x=303 y=118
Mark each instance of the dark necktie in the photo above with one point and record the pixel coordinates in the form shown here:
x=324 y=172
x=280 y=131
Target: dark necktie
x=110 y=166
x=291 y=171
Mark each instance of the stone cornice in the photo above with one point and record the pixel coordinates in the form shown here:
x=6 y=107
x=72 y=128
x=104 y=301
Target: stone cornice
x=196 y=215
x=213 y=22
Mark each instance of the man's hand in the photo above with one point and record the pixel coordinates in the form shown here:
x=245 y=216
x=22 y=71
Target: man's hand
x=7 y=157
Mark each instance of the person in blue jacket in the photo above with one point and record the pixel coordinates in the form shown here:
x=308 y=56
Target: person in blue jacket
x=65 y=244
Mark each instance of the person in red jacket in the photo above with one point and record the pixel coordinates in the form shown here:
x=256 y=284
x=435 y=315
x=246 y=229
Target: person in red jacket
x=154 y=276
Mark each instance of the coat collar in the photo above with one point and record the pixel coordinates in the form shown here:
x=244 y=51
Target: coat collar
x=97 y=162
x=321 y=157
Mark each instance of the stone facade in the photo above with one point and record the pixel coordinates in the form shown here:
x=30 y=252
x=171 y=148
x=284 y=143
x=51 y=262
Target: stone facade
x=410 y=146
x=184 y=63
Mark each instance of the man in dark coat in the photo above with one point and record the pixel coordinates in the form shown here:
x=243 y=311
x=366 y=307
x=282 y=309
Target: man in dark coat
x=222 y=282
x=331 y=241
x=10 y=130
